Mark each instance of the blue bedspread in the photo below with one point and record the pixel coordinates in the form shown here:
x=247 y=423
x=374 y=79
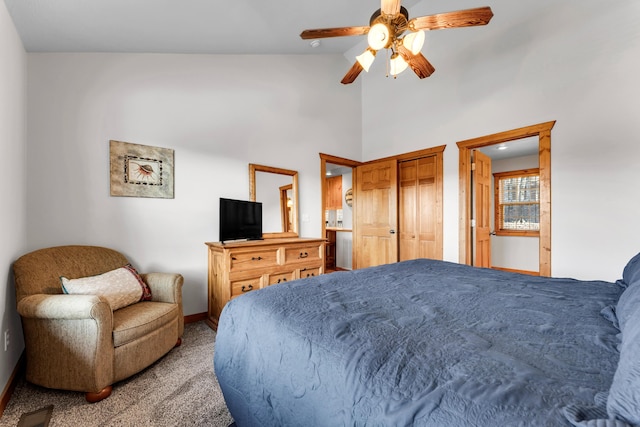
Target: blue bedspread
x=422 y=342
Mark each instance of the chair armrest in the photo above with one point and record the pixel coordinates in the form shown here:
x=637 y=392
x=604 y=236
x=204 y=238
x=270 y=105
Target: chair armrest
x=68 y=341
x=165 y=287
x=62 y=306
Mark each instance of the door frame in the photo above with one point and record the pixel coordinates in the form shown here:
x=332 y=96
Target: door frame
x=543 y=132
x=285 y=209
x=341 y=161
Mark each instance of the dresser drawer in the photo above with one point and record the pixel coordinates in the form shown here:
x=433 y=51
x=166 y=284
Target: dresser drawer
x=281 y=277
x=248 y=260
x=302 y=254
x=309 y=272
x=242 y=286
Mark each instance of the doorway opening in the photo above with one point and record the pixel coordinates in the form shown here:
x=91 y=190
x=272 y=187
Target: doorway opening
x=338 y=210
x=466 y=148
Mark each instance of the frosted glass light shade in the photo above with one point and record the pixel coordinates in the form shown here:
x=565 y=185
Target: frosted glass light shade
x=397 y=64
x=378 y=36
x=366 y=59
x=414 y=41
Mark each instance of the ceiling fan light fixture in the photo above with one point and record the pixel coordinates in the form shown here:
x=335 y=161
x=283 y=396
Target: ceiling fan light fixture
x=414 y=41
x=378 y=36
x=366 y=59
x=397 y=64
x=390 y=28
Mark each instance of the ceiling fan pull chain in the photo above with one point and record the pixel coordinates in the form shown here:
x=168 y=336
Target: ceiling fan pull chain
x=394 y=54
x=387 y=62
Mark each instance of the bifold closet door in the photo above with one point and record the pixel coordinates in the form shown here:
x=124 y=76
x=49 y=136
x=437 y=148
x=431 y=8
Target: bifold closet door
x=418 y=209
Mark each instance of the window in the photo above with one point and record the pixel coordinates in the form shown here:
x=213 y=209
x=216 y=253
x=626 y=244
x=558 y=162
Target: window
x=517 y=203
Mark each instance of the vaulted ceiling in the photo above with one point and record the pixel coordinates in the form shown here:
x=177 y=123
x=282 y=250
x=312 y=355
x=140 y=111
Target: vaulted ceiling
x=189 y=26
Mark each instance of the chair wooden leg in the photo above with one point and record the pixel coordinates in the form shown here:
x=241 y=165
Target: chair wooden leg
x=178 y=343
x=98 y=396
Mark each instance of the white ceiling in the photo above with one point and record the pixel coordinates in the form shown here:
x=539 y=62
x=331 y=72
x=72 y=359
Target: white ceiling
x=518 y=148
x=188 y=26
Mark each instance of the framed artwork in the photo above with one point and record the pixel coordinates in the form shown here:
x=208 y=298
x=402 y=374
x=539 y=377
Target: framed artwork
x=141 y=170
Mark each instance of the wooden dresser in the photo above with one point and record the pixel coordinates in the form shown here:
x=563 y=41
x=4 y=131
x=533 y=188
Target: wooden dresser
x=240 y=267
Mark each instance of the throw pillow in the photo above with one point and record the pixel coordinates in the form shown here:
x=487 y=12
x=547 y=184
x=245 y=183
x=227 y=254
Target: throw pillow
x=624 y=395
x=120 y=287
x=631 y=272
x=627 y=305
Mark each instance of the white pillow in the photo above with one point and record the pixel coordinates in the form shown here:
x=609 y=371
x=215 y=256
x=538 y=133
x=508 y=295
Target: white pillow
x=120 y=287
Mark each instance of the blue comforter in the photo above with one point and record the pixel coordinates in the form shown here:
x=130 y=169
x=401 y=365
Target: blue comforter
x=422 y=342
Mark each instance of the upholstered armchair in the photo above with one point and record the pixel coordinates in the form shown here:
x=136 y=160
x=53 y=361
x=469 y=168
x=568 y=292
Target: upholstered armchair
x=75 y=340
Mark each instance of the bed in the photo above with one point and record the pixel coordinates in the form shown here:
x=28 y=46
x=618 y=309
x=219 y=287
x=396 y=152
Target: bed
x=433 y=343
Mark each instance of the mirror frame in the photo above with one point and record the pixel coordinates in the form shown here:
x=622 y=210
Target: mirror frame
x=253 y=168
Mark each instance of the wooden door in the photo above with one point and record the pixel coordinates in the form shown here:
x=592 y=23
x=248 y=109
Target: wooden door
x=418 y=209
x=376 y=223
x=481 y=177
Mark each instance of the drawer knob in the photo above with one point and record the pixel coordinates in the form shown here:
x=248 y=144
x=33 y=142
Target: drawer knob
x=282 y=280
x=310 y=274
x=247 y=288
x=303 y=255
x=256 y=258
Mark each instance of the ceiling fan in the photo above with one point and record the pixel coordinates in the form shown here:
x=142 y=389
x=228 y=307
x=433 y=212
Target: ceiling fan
x=386 y=30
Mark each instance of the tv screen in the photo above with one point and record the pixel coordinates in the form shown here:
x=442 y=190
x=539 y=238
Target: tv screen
x=240 y=219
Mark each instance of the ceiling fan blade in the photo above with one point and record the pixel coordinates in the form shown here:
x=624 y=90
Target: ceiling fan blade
x=421 y=66
x=418 y=63
x=352 y=74
x=390 y=7
x=460 y=18
x=334 y=32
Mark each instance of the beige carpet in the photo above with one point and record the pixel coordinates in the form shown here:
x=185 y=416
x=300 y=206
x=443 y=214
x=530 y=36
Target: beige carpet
x=179 y=390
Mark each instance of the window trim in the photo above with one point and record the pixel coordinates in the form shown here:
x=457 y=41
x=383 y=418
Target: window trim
x=496 y=198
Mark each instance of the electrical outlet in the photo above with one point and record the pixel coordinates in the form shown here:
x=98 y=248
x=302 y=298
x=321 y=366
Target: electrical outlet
x=7 y=339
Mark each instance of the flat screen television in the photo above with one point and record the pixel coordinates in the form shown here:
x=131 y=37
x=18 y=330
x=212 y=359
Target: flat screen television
x=240 y=220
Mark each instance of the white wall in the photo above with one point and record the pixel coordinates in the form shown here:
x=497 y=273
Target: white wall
x=344 y=239
x=575 y=62
x=347 y=211
x=219 y=113
x=13 y=86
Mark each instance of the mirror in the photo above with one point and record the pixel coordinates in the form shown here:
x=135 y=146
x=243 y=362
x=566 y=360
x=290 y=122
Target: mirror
x=277 y=190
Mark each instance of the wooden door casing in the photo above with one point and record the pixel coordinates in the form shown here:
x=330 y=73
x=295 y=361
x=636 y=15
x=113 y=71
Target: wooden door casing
x=543 y=132
x=376 y=227
x=340 y=161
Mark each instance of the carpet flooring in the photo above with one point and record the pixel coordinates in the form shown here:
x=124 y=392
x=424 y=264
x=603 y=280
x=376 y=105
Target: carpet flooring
x=178 y=390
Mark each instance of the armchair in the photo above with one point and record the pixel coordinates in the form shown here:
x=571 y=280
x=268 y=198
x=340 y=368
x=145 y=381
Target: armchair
x=77 y=342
